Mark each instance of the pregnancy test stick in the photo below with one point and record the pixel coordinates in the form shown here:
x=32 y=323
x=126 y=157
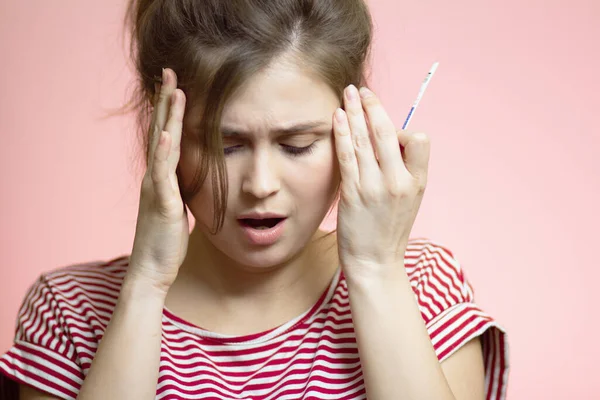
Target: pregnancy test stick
x=421 y=92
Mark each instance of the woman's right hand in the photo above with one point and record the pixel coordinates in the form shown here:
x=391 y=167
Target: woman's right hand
x=162 y=230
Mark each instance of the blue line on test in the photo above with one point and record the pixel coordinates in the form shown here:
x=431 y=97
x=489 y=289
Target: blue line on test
x=408 y=118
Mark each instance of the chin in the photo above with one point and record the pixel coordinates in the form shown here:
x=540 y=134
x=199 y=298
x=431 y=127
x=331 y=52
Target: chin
x=234 y=248
x=261 y=259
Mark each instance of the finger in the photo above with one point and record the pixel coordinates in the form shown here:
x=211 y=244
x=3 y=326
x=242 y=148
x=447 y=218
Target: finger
x=365 y=156
x=345 y=150
x=160 y=114
x=384 y=136
x=160 y=171
x=156 y=93
x=416 y=152
x=174 y=126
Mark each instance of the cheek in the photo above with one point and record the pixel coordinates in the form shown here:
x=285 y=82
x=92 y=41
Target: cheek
x=321 y=174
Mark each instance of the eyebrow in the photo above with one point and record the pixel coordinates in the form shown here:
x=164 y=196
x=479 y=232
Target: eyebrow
x=291 y=130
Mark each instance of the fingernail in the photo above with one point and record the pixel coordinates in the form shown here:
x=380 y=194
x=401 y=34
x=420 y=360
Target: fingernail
x=365 y=93
x=339 y=115
x=352 y=92
x=164 y=76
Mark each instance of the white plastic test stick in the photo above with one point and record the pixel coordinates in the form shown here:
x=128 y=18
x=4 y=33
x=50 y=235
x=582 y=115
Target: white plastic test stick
x=421 y=92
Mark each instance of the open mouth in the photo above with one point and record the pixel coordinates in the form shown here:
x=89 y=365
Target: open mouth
x=261 y=224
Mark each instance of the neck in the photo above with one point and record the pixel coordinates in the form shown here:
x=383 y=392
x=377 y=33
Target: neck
x=272 y=295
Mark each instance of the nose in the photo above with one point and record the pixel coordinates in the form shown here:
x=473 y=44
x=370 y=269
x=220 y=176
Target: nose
x=261 y=177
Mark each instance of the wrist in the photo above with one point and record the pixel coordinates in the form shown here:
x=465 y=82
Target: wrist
x=372 y=277
x=138 y=286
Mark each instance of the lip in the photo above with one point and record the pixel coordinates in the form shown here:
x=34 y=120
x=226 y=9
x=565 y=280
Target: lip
x=261 y=215
x=263 y=237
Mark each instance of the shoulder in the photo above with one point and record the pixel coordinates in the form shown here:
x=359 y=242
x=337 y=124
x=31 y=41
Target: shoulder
x=436 y=276
x=94 y=271
x=87 y=279
x=452 y=317
x=426 y=255
x=430 y=262
x=61 y=320
x=73 y=302
x=83 y=293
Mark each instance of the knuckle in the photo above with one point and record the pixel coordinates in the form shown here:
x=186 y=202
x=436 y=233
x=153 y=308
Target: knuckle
x=168 y=210
x=399 y=189
x=421 y=138
x=362 y=141
x=371 y=194
x=147 y=184
x=421 y=186
x=157 y=174
x=156 y=128
x=370 y=101
x=396 y=191
x=382 y=132
x=346 y=157
x=163 y=95
x=354 y=111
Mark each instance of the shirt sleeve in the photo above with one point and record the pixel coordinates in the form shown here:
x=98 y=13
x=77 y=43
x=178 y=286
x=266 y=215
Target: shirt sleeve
x=43 y=355
x=452 y=317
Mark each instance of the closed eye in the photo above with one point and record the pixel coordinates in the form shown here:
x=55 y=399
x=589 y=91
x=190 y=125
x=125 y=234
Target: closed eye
x=297 y=151
x=290 y=150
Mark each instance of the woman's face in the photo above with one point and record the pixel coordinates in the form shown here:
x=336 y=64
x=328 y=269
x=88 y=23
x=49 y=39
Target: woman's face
x=293 y=174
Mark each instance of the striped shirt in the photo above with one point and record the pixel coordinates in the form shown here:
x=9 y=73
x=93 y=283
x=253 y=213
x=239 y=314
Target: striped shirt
x=313 y=356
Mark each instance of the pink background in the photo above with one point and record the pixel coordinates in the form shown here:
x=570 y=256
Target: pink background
x=514 y=182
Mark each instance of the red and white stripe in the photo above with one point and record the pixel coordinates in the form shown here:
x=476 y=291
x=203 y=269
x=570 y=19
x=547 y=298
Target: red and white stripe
x=314 y=356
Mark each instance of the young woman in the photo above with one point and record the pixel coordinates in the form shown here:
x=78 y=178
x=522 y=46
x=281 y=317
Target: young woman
x=257 y=127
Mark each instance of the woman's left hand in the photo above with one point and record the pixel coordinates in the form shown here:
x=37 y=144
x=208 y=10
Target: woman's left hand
x=384 y=175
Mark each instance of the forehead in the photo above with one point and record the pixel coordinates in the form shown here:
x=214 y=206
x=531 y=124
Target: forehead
x=281 y=95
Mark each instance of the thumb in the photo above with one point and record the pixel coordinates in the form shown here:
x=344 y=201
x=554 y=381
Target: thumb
x=415 y=149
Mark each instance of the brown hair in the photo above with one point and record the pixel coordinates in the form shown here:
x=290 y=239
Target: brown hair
x=215 y=45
